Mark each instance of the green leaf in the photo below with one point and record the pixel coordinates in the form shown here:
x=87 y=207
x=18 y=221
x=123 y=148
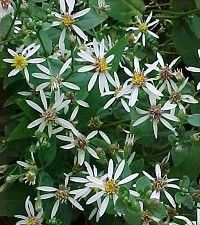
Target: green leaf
x=157 y=209
x=180 y=197
x=128 y=9
x=45 y=179
x=143 y=185
x=12 y=199
x=118 y=50
x=47 y=152
x=5 y=24
x=21 y=131
x=194 y=120
x=45 y=36
x=183 y=5
x=185 y=34
x=91 y=20
x=185 y=183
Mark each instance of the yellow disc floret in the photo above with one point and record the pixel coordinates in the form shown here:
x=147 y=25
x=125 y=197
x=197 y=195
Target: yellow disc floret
x=101 y=65
x=19 y=62
x=111 y=187
x=67 y=20
x=143 y=27
x=138 y=78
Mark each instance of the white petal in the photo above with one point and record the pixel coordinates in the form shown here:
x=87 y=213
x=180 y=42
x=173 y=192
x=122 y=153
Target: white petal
x=34 y=106
x=41 y=76
x=92 y=81
x=160 y=60
x=166 y=124
x=35 y=123
x=148 y=176
x=110 y=169
x=36 y=60
x=47 y=188
x=105 y=137
x=104 y=206
x=71 y=4
x=86 y=68
x=158 y=171
x=65 y=66
x=173 y=62
x=140 y=120
x=119 y=170
x=44 y=69
x=95 y=197
x=81 y=13
x=92 y=152
x=13 y=72
x=193 y=69
x=170 y=198
x=76 y=204
x=92 y=134
x=55 y=208
x=128 y=179
x=80 y=32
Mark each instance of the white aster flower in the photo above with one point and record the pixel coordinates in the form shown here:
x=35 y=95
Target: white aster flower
x=49 y=115
x=91 y=172
x=195 y=70
x=54 y=81
x=157 y=114
x=81 y=143
x=177 y=97
x=165 y=73
x=161 y=184
x=31 y=168
x=21 y=60
x=31 y=218
x=143 y=27
x=146 y=216
x=100 y=64
x=62 y=194
x=118 y=93
x=140 y=80
x=68 y=19
x=108 y=189
x=6 y=8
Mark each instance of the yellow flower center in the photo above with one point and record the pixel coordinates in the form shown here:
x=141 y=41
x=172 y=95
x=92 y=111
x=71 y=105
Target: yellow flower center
x=102 y=65
x=30 y=177
x=143 y=27
x=49 y=116
x=19 y=62
x=175 y=96
x=111 y=187
x=62 y=193
x=67 y=20
x=33 y=221
x=138 y=78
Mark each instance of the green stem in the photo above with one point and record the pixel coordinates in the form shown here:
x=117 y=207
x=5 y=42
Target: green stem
x=158 y=5
x=13 y=22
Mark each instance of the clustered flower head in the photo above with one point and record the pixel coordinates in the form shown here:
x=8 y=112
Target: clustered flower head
x=85 y=102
